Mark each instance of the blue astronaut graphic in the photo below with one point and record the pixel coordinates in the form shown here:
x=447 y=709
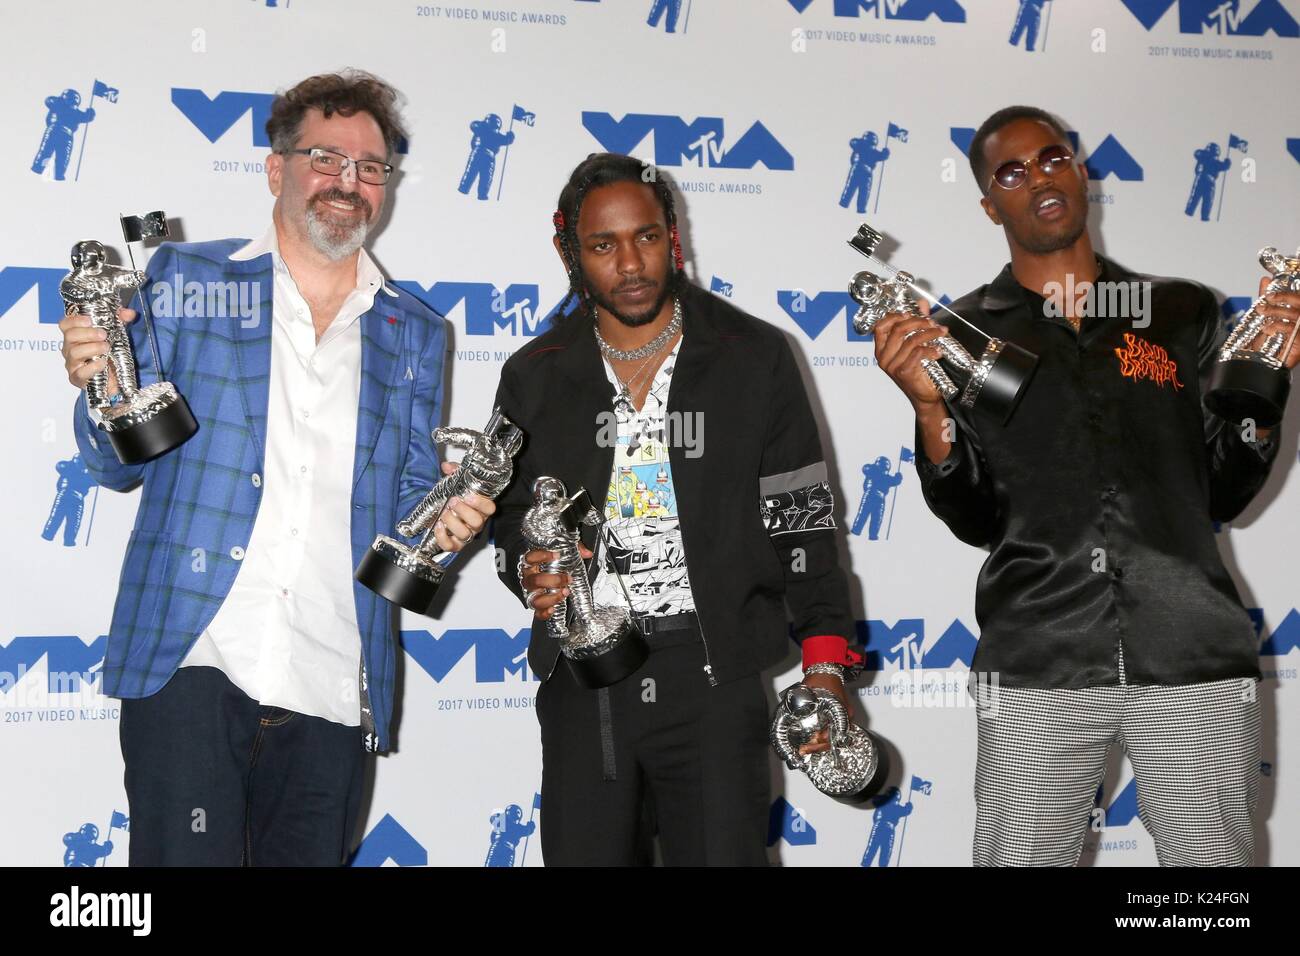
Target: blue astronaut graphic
x=69 y=500
x=879 y=481
x=866 y=156
x=890 y=809
x=1205 y=180
x=481 y=166
x=668 y=11
x=1028 y=18
x=508 y=829
x=63 y=117
x=83 y=848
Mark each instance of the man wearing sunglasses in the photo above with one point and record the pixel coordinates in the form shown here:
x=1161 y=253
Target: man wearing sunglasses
x=254 y=672
x=1104 y=607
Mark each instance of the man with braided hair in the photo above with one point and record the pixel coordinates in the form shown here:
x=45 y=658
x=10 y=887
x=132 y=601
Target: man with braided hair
x=617 y=396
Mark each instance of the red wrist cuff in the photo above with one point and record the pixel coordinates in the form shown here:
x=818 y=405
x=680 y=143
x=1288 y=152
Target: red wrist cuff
x=829 y=649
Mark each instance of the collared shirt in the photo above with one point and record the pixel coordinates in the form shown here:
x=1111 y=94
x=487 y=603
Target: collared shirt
x=642 y=562
x=1097 y=498
x=287 y=633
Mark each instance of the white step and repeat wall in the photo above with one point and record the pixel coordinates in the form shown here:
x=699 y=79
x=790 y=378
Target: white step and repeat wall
x=751 y=106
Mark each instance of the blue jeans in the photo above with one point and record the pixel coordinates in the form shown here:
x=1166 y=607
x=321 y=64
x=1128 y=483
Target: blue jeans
x=215 y=779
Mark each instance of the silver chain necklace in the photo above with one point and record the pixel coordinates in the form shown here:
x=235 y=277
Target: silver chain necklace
x=652 y=347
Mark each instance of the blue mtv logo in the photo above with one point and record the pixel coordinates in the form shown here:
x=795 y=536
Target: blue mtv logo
x=70 y=664
x=1109 y=158
x=904 y=645
x=214 y=116
x=1285 y=637
x=814 y=313
x=1233 y=308
x=389 y=840
x=488 y=309
x=721 y=286
x=17 y=281
x=679 y=143
x=496 y=652
x=1122 y=810
x=786 y=823
x=949 y=11
x=1223 y=17
x=1293 y=147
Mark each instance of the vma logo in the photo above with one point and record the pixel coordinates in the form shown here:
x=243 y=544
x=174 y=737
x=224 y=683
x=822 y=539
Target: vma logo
x=1109 y=158
x=813 y=313
x=389 y=843
x=17 y=281
x=1221 y=17
x=1122 y=811
x=215 y=116
x=70 y=664
x=496 y=652
x=508 y=844
x=949 y=11
x=487 y=309
x=903 y=645
x=784 y=822
x=1285 y=637
x=675 y=142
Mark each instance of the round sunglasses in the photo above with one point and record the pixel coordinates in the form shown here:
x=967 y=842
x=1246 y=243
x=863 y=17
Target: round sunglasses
x=1050 y=159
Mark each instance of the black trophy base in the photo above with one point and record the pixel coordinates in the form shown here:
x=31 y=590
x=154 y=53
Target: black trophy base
x=1241 y=391
x=171 y=427
x=404 y=588
x=1007 y=382
x=619 y=662
x=875 y=784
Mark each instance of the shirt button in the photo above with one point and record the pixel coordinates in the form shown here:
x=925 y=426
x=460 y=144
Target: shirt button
x=257 y=480
x=284 y=592
x=303 y=469
x=237 y=553
x=1118 y=573
x=1108 y=493
x=294 y=532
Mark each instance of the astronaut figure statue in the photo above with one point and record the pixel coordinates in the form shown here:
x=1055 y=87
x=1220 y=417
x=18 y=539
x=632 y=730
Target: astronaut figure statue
x=601 y=644
x=1251 y=382
x=853 y=767
x=410 y=576
x=142 y=423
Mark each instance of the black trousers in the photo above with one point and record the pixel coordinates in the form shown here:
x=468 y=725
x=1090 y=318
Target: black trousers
x=696 y=756
x=215 y=779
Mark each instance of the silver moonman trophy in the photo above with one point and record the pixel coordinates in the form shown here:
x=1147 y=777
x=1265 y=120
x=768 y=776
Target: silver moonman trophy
x=1251 y=381
x=142 y=422
x=855 y=766
x=991 y=385
x=601 y=644
x=410 y=576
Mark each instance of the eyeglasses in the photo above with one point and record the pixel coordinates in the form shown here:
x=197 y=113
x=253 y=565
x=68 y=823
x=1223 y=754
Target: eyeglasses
x=1051 y=160
x=330 y=163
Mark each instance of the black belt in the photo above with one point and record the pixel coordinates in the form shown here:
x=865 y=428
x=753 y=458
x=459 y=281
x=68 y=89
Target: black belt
x=662 y=630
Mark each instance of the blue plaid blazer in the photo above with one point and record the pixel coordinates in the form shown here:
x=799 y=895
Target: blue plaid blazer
x=198 y=501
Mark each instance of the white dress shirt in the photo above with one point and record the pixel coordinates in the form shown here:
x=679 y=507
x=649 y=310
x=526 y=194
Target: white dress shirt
x=287 y=633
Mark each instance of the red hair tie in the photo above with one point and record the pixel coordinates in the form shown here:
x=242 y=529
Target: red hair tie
x=677 y=251
x=558 y=221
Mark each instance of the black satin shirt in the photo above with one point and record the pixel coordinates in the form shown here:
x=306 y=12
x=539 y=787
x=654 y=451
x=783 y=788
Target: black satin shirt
x=1096 y=500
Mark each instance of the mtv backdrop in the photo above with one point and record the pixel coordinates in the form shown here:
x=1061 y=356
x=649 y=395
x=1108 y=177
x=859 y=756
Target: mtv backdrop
x=784 y=123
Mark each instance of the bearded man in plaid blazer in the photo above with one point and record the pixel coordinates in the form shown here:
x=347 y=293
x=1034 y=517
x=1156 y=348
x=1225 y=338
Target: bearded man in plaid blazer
x=254 y=672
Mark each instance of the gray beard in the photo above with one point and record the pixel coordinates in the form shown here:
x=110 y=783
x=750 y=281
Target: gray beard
x=331 y=241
